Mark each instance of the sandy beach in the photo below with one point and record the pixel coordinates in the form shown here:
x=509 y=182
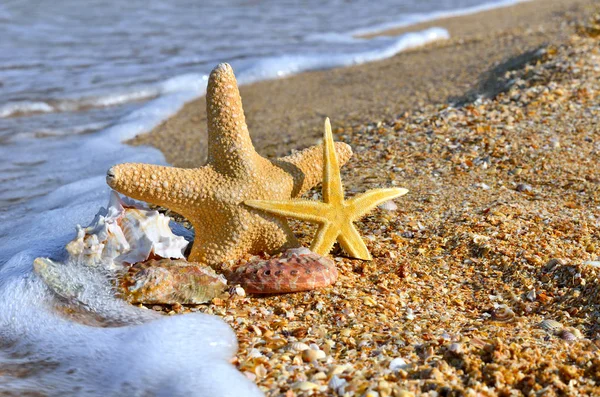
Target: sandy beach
x=485 y=275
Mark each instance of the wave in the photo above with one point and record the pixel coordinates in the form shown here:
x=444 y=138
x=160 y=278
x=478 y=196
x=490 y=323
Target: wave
x=416 y=18
x=262 y=69
x=286 y=65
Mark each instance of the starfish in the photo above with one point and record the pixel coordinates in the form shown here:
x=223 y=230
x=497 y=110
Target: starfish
x=334 y=215
x=211 y=197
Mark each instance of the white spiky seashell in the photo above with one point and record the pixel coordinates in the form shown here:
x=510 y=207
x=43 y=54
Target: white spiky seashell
x=121 y=235
x=148 y=232
x=101 y=241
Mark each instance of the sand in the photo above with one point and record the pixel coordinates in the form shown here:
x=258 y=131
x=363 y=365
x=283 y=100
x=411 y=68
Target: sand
x=485 y=278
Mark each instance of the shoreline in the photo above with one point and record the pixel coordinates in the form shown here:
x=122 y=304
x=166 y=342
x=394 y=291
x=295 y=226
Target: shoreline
x=482 y=46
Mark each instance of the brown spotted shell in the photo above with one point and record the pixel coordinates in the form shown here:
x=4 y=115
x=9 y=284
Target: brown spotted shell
x=169 y=281
x=295 y=270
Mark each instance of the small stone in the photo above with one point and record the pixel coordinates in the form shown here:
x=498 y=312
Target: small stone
x=338 y=384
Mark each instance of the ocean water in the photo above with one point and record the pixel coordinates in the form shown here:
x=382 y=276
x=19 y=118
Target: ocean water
x=77 y=79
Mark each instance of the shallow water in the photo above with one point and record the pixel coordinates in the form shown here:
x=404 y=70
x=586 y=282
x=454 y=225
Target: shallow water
x=77 y=79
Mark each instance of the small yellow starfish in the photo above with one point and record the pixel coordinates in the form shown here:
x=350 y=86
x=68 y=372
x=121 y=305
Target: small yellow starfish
x=334 y=215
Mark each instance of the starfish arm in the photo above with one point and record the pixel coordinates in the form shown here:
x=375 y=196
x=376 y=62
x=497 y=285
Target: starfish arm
x=230 y=148
x=174 y=188
x=305 y=210
x=306 y=166
x=362 y=204
x=324 y=239
x=352 y=243
x=332 y=182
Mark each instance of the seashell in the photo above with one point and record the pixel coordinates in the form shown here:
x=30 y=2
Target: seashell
x=60 y=279
x=148 y=234
x=503 y=313
x=103 y=240
x=523 y=188
x=455 y=348
x=260 y=371
x=552 y=263
x=297 y=346
x=338 y=384
x=570 y=334
x=480 y=239
x=239 y=291
x=337 y=369
x=397 y=364
x=294 y=270
x=389 y=206
x=310 y=355
x=169 y=281
x=254 y=353
x=551 y=325
x=305 y=386
x=567 y=335
x=121 y=235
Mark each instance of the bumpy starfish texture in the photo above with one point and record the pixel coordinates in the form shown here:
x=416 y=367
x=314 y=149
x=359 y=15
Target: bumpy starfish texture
x=211 y=197
x=334 y=215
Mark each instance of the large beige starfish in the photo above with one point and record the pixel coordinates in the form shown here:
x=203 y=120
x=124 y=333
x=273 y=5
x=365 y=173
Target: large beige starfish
x=334 y=215
x=211 y=197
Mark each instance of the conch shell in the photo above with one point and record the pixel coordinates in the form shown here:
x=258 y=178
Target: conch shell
x=121 y=235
